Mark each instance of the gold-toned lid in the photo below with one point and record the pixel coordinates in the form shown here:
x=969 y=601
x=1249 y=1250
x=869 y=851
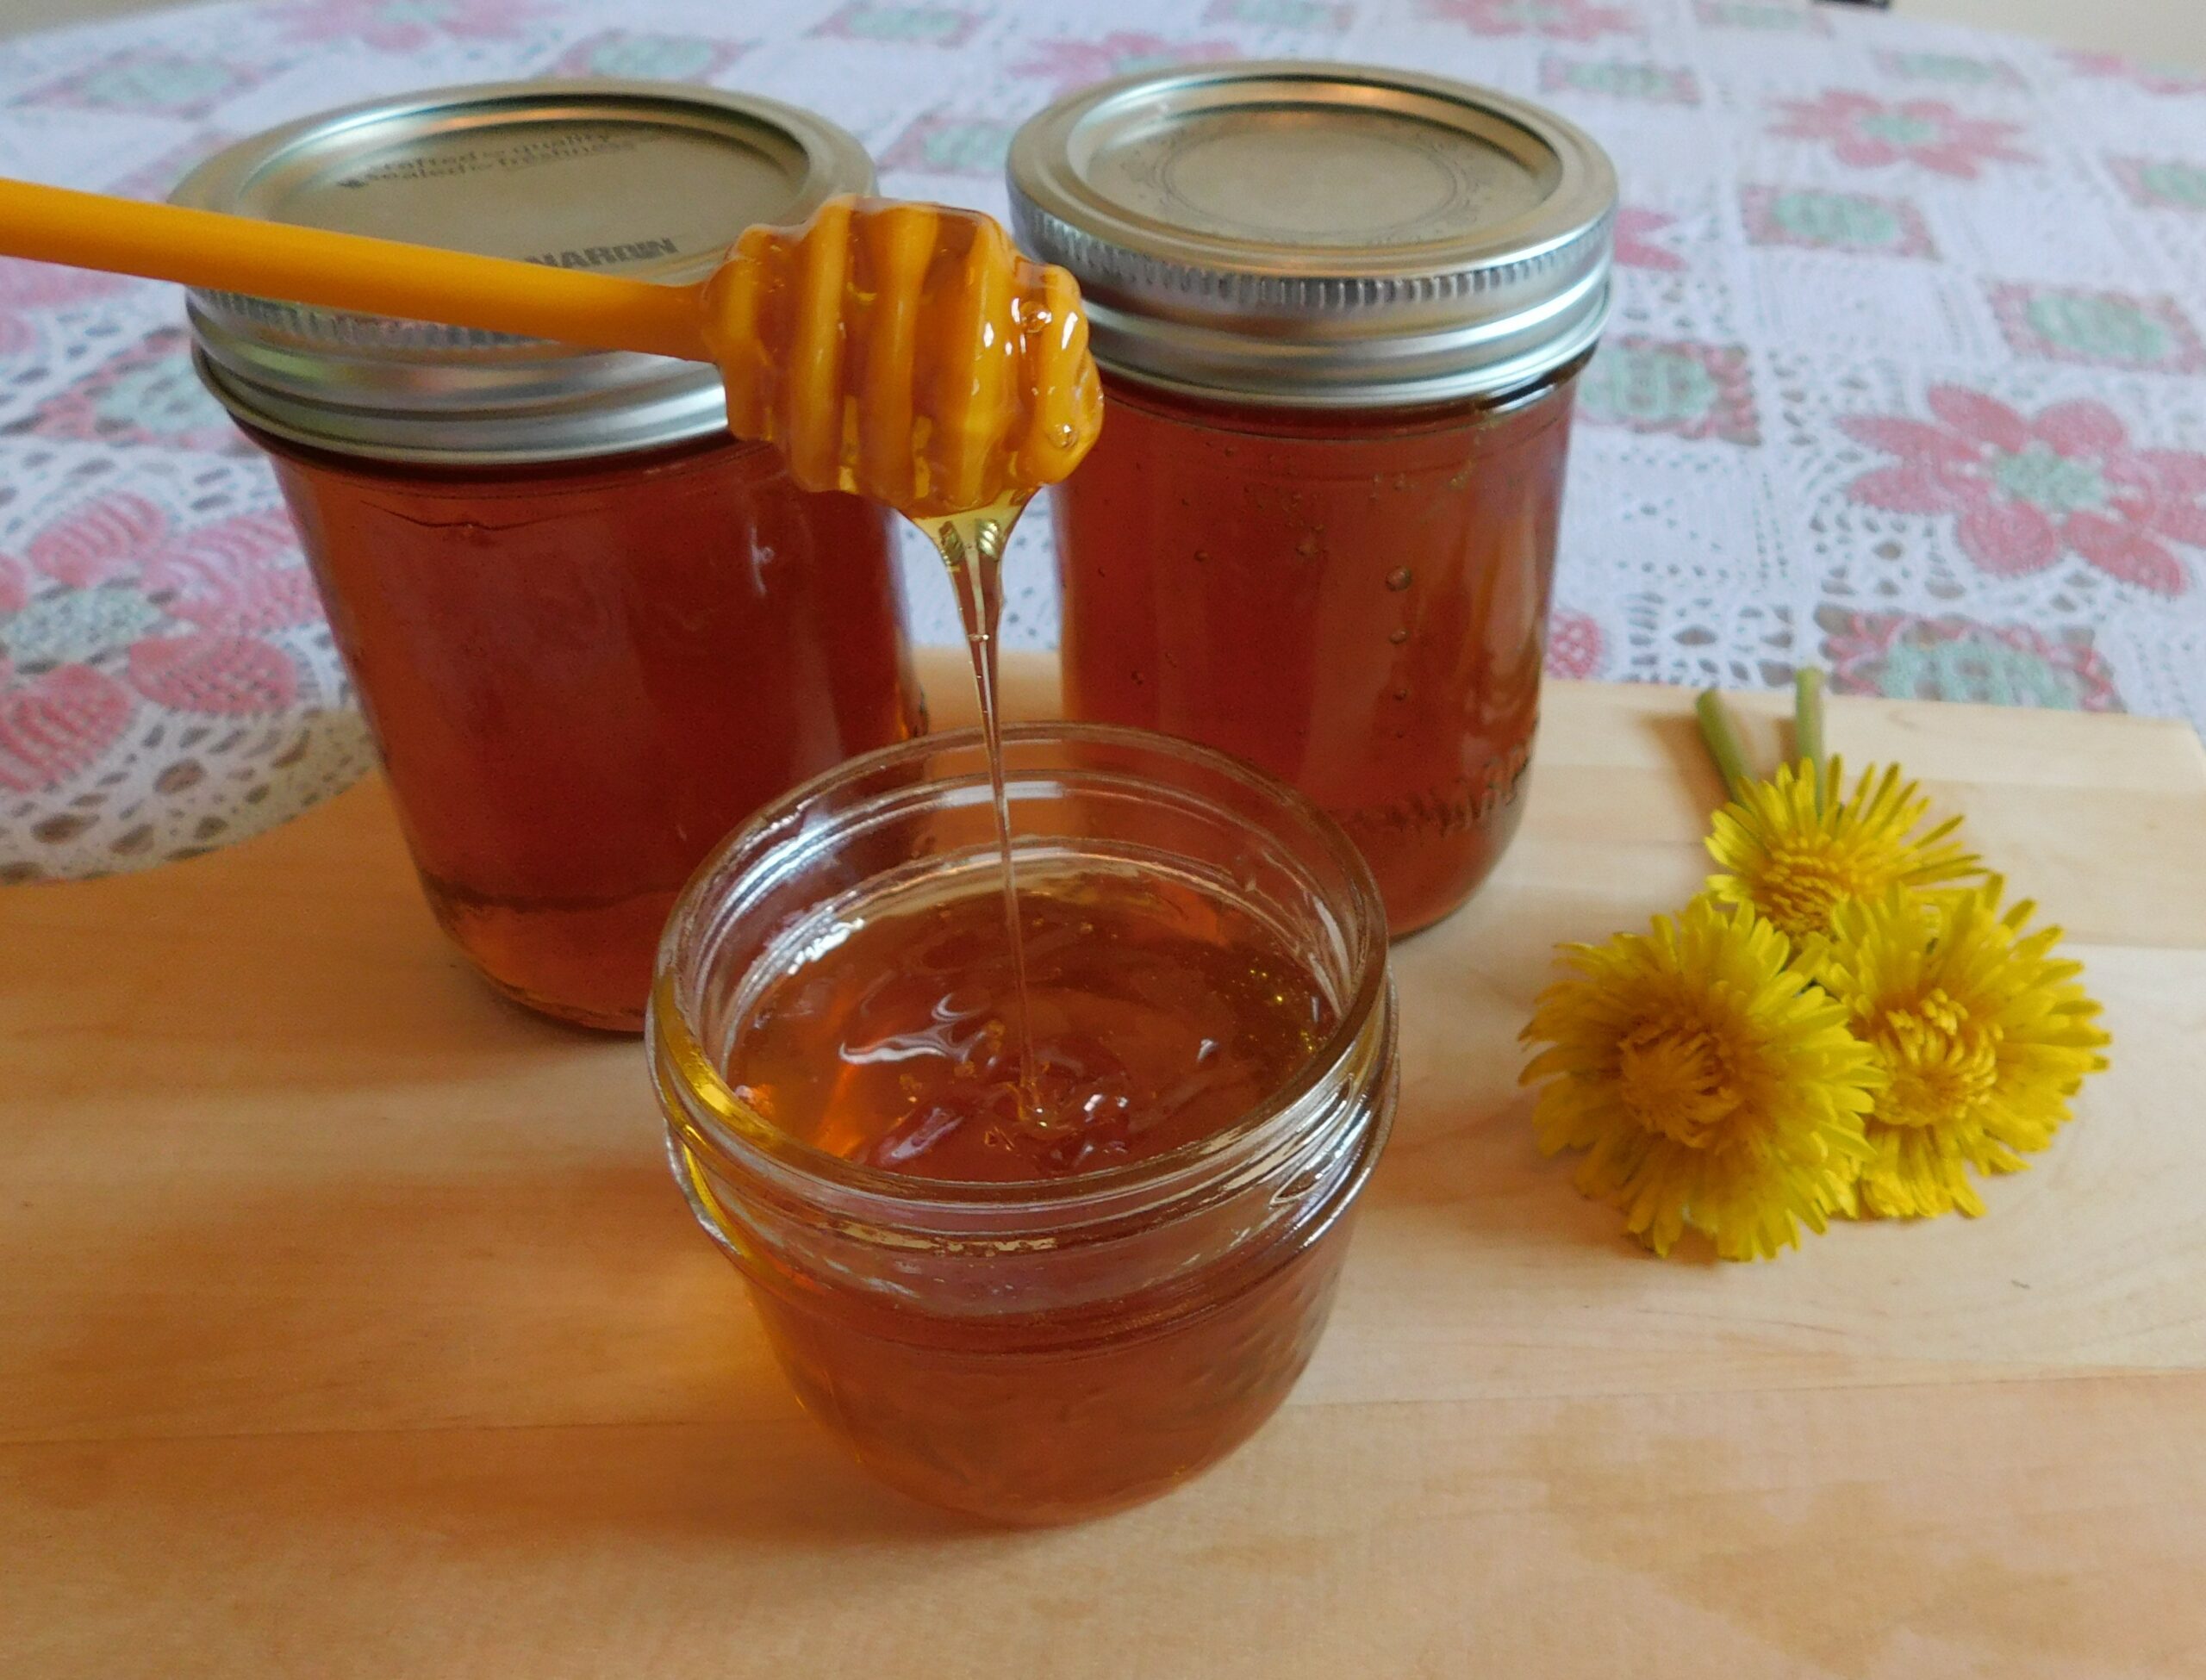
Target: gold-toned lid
x=1320 y=234
x=647 y=179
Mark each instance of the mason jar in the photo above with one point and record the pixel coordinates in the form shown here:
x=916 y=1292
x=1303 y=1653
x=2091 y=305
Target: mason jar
x=1339 y=312
x=1031 y=1351
x=591 y=631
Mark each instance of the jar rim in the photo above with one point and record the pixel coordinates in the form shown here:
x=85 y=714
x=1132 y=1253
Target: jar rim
x=1247 y=414
x=517 y=478
x=679 y=1053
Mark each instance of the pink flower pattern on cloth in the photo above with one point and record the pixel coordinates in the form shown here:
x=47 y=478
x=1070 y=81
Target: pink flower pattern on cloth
x=1558 y=20
x=1637 y=245
x=1907 y=657
x=2028 y=488
x=405 y=26
x=1067 y=64
x=1906 y=373
x=2164 y=81
x=1869 y=133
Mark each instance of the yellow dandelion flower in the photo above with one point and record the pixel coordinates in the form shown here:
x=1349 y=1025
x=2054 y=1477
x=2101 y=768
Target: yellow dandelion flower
x=1794 y=849
x=1981 y=1034
x=1709 y=1083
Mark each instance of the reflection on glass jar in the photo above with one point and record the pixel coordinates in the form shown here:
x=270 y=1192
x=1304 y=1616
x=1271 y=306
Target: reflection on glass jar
x=1030 y=1336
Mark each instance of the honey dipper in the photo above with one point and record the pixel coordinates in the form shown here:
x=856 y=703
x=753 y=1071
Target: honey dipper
x=902 y=352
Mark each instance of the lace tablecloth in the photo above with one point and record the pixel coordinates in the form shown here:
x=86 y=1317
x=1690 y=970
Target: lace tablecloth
x=1907 y=375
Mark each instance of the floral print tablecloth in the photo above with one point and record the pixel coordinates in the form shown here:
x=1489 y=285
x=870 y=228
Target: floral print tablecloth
x=1906 y=374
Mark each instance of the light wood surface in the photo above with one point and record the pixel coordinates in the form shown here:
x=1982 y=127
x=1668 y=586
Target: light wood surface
x=350 y=1325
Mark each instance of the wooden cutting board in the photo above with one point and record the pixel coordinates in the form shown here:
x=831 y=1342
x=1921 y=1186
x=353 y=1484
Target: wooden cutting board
x=350 y=1325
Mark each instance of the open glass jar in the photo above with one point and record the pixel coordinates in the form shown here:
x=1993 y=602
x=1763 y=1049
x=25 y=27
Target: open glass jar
x=1035 y=1351
x=591 y=631
x=1339 y=312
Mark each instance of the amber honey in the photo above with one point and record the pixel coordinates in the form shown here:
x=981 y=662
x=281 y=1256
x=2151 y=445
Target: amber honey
x=591 y=631
x=1159 y=1013
x=1032 y=1285
x=1356 y=602
x=581 y=676
x=1097 y=1209
x=1046 y=1417
x=1162 y=1013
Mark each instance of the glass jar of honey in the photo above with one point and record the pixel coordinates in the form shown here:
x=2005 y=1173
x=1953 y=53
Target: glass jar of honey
x=591 y=631
x=1032 y=1311
x=1339 y=312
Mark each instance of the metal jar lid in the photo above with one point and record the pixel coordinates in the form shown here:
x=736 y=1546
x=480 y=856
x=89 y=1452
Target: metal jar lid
x=1320 y=235
x=642 y=178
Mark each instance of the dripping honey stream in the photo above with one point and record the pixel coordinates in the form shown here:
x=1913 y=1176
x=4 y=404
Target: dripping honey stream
x=972 y=548
x=907 y=353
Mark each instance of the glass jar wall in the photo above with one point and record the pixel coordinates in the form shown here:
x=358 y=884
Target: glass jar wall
x=591 y=631
x=581 y=676
x=1339 y=310
x=1044 y=1349
x=1355 y=601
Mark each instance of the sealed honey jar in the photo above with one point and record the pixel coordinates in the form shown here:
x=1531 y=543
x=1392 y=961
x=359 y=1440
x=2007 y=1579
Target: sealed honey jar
x=1339 y=312
x=591 y=631
x=1034 y=1239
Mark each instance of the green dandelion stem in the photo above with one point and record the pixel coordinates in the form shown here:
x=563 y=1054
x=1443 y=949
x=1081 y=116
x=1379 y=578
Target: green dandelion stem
x=1808 y=723
x=1721 y=731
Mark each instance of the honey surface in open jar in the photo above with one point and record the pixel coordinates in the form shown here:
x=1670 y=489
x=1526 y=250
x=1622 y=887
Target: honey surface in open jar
x=1162 y=1013
x=1159 y=1013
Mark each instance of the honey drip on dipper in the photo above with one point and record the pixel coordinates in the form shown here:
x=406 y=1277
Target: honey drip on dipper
x=908 y=353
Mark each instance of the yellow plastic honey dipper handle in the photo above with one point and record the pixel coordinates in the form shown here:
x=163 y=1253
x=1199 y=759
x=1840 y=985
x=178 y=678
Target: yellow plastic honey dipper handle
x=904 y=352
x=351 y=271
